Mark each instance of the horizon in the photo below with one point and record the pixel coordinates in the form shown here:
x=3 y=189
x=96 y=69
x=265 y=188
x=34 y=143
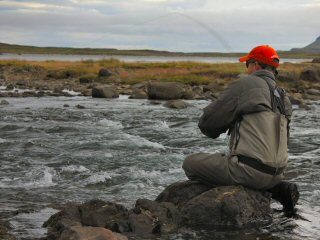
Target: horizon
x=175 y=26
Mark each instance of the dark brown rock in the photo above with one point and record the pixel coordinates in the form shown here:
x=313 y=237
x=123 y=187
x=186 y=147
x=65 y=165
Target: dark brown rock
x=181 y=192
x=316 y=60
x=227 y=205
x=177 y=104
x=311 y=74
x=104 y=92
x=138 y=94
x=103 y=72
x=98 y=213
x=165 y=90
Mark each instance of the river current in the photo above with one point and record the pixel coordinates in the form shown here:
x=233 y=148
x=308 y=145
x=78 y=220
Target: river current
x=52 y=152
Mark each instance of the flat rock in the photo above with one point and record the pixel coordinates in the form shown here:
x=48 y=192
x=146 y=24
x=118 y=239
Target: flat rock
x=177 y=104
x=104 y=92
x=90 y=233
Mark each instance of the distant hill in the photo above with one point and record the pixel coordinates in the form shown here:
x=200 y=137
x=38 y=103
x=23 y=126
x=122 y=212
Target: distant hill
x=311 y=48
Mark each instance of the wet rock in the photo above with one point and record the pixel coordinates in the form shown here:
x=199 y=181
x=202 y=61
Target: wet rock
x=99 y=213
x=177 y=104
x=90 y=233
x=66 y=105
x=10 y=87
x=312 y=91
x=165 y=90
x=154 y=217
x=198 y=90
x=183 y=204
x=80 y=106
x=316 y=60
x=104 y=92
x=138 y=94
x=304 y=106
x=181 y=192
x=212 y=87
x=296 y=98
x=4 y=102
x=311 y=97
x=227 y=206
x=311 y=74
x=188 y=94
x=4 y=231
x=103 y=72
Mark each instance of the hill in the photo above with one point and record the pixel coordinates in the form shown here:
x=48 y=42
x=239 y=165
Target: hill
x=311 y=48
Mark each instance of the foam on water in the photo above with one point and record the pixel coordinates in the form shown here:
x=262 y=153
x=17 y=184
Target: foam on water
x=110 y=124
x=2 y=140
x=99 y=177
x=74 y=169
x=36 y=178
x=142 y=142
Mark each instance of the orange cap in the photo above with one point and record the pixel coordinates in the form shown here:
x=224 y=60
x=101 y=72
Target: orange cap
x=264 y=54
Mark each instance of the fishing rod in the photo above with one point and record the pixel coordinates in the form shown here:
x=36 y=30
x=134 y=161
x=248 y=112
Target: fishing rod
x=212 y=32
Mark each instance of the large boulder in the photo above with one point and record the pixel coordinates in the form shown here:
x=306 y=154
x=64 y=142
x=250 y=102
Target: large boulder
x=183 y=204
x=103 y=72
x=165 y=90
x=311 y=73
x=226 y=206
x=138 y=94
x=104 y=92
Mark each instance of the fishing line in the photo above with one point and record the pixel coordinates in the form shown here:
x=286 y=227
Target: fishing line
x=210 y=30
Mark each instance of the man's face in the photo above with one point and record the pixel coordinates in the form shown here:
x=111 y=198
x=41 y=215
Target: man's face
x=252 y=66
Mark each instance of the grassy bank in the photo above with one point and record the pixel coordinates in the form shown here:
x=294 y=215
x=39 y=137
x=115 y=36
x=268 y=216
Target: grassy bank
x=191 y=73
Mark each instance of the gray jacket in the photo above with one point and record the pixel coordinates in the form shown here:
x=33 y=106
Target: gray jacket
x=245 y=109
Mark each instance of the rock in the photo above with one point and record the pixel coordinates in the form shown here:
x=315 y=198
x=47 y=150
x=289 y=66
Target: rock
x=180 y=205
x=316 y=60
x=103 y=72
x=90 y=233
x=312 y=91
x=87 y=79
x=311 y=97
x=227 y=206
x=138 y=94
x=154 y=217
x=284 y=76
x=296 y=98
x=177 y=104
x=4 y=231
x=165 y=90
x=104 y=92
x=198 y=90
x=188 y=94
x=212 y=87
x=181 y=192
x=304 y=106
x=98 y=213
x=10 y=87
x=311 y=74
x=80 y=106
x=141 y=86
x=4 y=102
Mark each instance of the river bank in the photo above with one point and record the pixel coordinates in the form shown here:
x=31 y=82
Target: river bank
x=64 y=78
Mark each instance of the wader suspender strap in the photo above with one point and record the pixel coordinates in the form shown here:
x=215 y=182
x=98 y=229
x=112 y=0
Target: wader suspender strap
x=277 y=98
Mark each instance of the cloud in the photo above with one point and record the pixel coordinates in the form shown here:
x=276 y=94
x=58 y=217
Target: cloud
x=175 y=25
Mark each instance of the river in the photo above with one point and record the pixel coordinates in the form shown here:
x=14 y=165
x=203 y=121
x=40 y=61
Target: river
x=123 y=149
x=64 y=57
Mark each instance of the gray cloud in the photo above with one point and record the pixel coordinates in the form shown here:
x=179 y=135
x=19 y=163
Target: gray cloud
x=176 y=25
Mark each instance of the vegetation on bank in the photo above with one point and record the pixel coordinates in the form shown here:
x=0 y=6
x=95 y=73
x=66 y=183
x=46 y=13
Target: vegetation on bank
x=21 y=49
x=192 y=73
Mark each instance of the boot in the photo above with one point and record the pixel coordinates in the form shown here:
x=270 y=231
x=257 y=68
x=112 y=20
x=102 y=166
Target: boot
x=287 y=194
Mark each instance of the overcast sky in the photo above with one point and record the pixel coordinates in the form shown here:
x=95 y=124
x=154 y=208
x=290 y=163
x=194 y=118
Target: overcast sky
x=173 y=25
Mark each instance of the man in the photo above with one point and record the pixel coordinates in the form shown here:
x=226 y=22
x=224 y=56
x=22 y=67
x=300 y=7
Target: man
x=257 y=114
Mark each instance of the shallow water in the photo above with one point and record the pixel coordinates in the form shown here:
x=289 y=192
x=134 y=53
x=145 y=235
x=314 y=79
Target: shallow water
x=121 y=150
